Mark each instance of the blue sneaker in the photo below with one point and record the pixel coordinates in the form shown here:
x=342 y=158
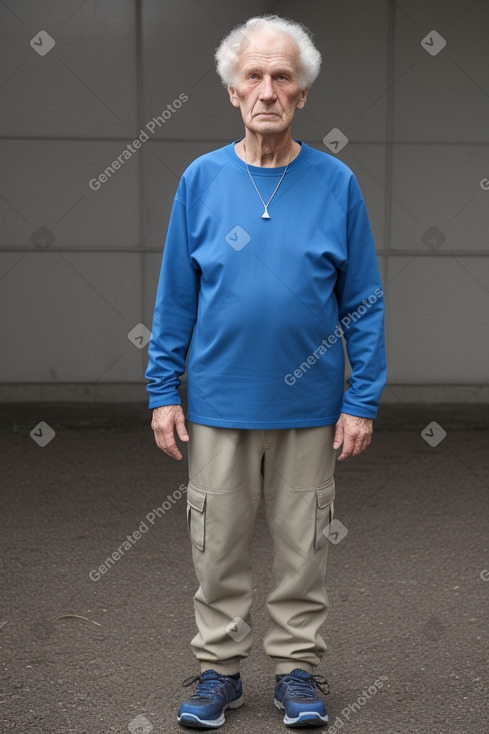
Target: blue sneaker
x=295 y=694
x=205 y=707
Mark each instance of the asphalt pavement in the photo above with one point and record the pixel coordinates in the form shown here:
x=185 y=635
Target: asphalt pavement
x=87 y=650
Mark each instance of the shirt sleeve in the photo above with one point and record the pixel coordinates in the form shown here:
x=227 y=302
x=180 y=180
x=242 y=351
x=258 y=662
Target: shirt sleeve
x=361 y=312
x=175 y=311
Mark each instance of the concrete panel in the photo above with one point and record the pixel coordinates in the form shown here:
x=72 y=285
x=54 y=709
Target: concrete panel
x=440 y=198
x=68 y=316
x=85 y=85
x=441 y=93
x=46 y=184
x=437 y=320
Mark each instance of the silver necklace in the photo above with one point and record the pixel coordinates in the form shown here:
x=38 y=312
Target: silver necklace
x=265 y=214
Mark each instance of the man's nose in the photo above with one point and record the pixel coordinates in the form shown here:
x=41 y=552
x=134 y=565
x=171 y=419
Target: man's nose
x=267 y=91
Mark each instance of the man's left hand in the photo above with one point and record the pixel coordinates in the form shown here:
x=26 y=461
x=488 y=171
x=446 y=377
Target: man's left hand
x=354 y=433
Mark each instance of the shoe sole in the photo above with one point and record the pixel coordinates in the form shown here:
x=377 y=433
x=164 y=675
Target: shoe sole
x=306 y=718
x=193 y=721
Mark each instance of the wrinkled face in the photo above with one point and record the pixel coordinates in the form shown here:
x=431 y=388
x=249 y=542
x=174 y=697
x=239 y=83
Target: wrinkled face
x=267 y=87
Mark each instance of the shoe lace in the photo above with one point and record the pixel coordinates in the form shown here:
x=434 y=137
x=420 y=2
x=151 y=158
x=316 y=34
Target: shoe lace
x=207 y=688
x=305 y=687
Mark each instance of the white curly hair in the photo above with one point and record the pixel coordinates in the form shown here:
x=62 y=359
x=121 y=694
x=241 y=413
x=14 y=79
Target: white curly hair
x=309 y=57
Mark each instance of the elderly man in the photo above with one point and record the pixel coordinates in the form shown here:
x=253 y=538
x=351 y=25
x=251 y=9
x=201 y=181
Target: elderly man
x=269 y=264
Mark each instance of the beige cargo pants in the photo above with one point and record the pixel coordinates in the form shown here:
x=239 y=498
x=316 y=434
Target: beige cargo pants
x=229 y=471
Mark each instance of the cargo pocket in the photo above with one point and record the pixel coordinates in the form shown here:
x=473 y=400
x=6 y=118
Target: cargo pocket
x=196 y=516
x=325 y=495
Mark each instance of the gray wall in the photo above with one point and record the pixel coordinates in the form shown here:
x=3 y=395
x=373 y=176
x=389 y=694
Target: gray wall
x=418 y=134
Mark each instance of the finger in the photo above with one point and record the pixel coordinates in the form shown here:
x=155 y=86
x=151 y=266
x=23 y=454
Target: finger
x=359 y=443
x=166 y=442
x=175 y=454
x=357 y=447
x=338 y=436
x=169 y=445
x=181 y=428
x=172 y=450
x=363 y=444
x=348 y=447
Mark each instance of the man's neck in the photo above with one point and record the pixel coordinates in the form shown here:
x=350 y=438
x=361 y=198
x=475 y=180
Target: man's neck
x=267 y=151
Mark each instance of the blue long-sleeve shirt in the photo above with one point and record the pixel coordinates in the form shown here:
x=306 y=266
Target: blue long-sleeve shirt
x=256 y=304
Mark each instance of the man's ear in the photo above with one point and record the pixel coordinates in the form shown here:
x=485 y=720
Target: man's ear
x=302 y=99
x=233 y=96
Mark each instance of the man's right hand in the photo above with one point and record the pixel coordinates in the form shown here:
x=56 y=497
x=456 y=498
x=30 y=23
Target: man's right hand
x=165 y=420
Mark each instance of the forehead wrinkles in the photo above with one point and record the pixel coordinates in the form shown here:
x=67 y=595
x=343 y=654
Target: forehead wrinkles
x=254 y=59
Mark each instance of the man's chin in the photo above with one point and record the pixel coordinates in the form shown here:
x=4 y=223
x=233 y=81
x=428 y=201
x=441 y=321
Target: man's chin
x=267 y=125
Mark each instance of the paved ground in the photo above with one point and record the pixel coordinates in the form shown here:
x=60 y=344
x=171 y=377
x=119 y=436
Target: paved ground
x=409 y=608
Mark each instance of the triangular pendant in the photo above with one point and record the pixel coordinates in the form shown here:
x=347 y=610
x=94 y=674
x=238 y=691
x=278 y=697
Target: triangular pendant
x=265 y=214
